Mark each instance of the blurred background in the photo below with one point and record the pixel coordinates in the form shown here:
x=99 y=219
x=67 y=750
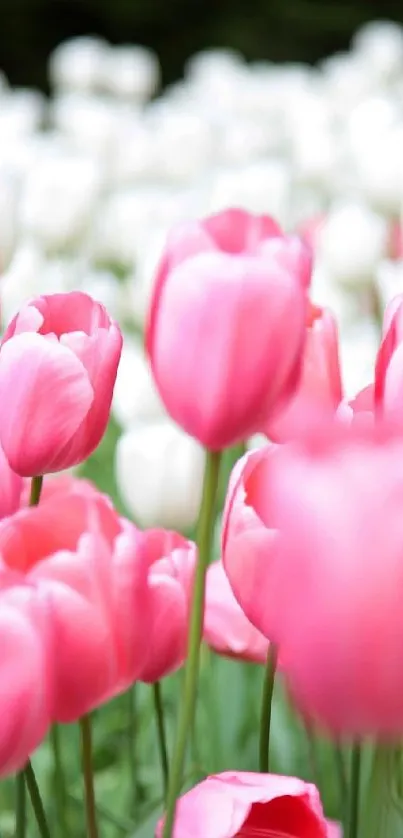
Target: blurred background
x=276 y=30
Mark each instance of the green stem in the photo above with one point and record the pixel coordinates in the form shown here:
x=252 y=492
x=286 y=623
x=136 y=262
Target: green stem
x=86 y=758
x=354 y=803
x=20 y=806
x=341 y=774
x=161 y=735
x=187 y=707
x=312 y=752
x=265 y=718
x=36 y=800
x=36 y=489
x=59 y=781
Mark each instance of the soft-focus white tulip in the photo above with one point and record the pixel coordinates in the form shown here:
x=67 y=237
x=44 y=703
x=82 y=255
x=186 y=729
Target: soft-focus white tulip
x=135 y=396
x=380 y=171
x=380 y=43
x=21 y=113
x=159 y=473
x=23 y=279
x=89 y=123
x=261 y=187
x=58 y=200
x=183 y=145
x=357 y=357
x=78 y=64
x=8 y=216
x=389 y=280
x=131 y=72
x=105 y=287
x=351 y=242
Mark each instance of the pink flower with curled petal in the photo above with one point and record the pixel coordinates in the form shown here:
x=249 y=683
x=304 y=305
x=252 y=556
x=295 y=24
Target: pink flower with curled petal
x=320 y=386
x=336 y=499
x=248 y=546
x=388 y=389
x=225 y=331
x=58 y=362
x=360 y=409
x=171 y=562
x=85 y=562
x=247 y=805
x=226 y=628
x=26 y=696
x=11 y=487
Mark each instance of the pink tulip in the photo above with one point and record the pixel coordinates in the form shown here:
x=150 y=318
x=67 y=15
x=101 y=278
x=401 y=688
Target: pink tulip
x=84 y=562
x=244 y=805
x=58 y=364
x=226 y=629
x=389 y=363
x=26 y=694
x=248 y=546
x=396 y=241
x=226 y=325
x=360 y=409
x=320 y=387
x=335 y=588
x=171 y=561
x=11 y=487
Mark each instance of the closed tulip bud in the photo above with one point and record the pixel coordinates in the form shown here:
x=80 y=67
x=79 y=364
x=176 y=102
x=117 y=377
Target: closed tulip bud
x=320 y=387
x=58 y=363
x=226 y=628
x=352 y=241
x=131 y=72
x=239 y=804
x=159 y=473
x=171 y=562
x=78 y=64
x=226 y=326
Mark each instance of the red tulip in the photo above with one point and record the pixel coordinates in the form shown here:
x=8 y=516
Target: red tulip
x=58 y=362
x=246 y=805
x=226 y=325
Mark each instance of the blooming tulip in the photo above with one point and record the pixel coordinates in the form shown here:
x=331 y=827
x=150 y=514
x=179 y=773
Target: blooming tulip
x=26 y=694
x=58 y=363
x=360 y=409
x=171 y=561
x=235 y=804
x=320 y=387
x=335 y=584
x=84 y=562
x=389 y=362
x=226 y=325
x=226 y=629
x=249 y=547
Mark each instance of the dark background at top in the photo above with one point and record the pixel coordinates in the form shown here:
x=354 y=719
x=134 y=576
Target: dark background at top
x=278 y=30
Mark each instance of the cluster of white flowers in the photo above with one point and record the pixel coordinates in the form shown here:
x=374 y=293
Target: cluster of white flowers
x=92 y=179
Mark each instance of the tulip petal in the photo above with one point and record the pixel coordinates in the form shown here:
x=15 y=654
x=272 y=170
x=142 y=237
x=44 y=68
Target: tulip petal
x=47 y=394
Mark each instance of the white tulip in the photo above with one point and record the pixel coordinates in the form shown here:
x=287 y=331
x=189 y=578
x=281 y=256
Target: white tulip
x=389 y=280
x=159 y=473
x=261 y=187
x=21 y=113
x=131 y=72
x=135 y=396
x=380 y=43
x=105 y=287
x=183 y=144
x=58 y=200
x=358 y=352
x=8 y=215
x=380 y=171
x=352 y=241
x=78 y=64
x=89 y=123
x=24 y=278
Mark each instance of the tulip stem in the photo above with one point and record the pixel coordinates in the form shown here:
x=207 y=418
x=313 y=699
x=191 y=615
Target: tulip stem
x=341 y=773
x=187 y=707
x=36 y=489
x=354 y=803
x=265 y=717
x=59 y=781
x=161 y=735
x=86 y=757
x=20 y=806
x=36 y=801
